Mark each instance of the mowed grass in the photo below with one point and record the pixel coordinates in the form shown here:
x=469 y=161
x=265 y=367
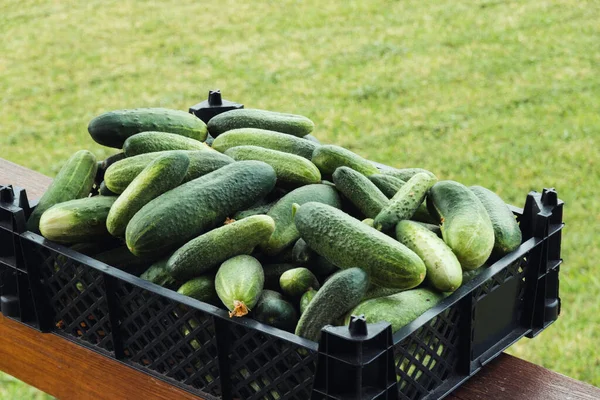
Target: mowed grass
x=504 y=94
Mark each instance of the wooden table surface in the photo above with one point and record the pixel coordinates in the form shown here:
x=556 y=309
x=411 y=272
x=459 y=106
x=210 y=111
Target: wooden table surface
x=68 y=371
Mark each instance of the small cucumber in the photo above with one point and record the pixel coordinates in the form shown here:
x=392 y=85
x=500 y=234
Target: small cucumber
x=342 y=292
x=466 y=225
x=200 y=288
x=273 y=272
x=302 y=254
x=285 y=230
x=295 y=282
x=406 y=173
x=74 y=181
x=239 y=283
x=328 y=158
x=292 y=124
x=163 y=174
x=290 y=169
x=443 y=269
x=273 y=310
x=267 y=139
x=360 y=191
x=306 y=298
x=80 y=220
x=507 y=234
x=209 y=250
x=159 y=274
x=405 y=202
x=150 y=142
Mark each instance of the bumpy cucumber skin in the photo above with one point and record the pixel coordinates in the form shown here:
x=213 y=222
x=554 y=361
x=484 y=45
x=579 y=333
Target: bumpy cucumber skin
x=443 y=268
x=347 y=242
x=285 y=230
x=507 y=234
x=273 y=310
x=159 y=274
x=175 y=217
x=119 y=175
x=290 y=168
x=240 y=278
x=267 y=139
x=161 y=175
x=360 y=191
x=113 y=128
x=151 y=142
x=200 y=288
x=81 y=220
x=398 y=309
x=292 y=124
x=342 y=292
x=306 y=298
x=209 y=250
x=328 y=158
x=406 y=173
x=466 y=226
x=74 y=181
x=295 y=282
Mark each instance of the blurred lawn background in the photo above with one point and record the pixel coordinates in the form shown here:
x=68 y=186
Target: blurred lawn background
x=504 y=94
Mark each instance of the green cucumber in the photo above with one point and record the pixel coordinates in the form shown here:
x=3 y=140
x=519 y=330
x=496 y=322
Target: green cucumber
x=159 y=274
x=398 y=309
x=406 y=173
x=347 y=242
x=239 y=283
x=369 y=222
x=119 y=175
x=311 y=138
x=209 y=250
x=443 y=269
x=161 y=175
x=150 y=142
x=470 y=274
x=328 y=158
x=261 y=207
x=74 y=181
x=104 y=164
x=466 y=225
x=405 y=202
x=360 y=191
x=105 y=191
x=291 y=169
x=306 y=298
x=113 y=128
x=433 y=228
x=122 y=259
x=292 y=124
x=295 y=282
x=177 y=216
x=267 y=139
x=375 y=292
x=273 y=272
x=284 y=257
x=285 y=230
x=507 y=234
x=302 y=254
x=273 y=310
x=342 y=292
x=200 y=288
x=80 y=220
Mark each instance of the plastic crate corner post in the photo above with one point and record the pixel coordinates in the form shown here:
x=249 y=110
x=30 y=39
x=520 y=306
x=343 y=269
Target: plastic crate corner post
x=214 y=105
x=356 y=362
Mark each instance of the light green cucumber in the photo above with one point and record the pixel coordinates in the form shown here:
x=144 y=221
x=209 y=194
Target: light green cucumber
x=306 y=298
x=292 y=124
x=406 y=173
x=295 y=282
x=263 y=138
x=273 y=273
x=328 y=158
x=239 y=283
x=360 y=191
x=150 y=142
x=200 y=288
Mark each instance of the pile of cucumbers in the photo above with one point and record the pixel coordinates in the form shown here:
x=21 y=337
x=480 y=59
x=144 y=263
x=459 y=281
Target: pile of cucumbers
x=269 y=223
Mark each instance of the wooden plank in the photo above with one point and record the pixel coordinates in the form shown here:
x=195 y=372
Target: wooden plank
x=13 y=174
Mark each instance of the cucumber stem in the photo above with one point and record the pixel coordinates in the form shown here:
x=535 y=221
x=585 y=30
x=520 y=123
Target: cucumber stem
x=239 y=309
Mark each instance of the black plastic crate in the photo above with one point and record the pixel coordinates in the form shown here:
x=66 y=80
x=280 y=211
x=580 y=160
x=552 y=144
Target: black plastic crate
x=197 y=347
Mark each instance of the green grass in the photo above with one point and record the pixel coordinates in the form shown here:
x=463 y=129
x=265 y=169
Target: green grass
x=13 y=389
x=504 y=94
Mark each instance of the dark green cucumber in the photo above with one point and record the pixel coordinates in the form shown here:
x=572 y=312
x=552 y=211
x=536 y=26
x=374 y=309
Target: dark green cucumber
x=163 y=174
x=159 y=274
x=291 y=169
x=306 y=298
x=239 y=283
x=466 y=225
x=175 y=217
x=302 y=254
x=292 y=124
x=375 y=292
x=74 y=181
x=122 y=259
x=273 y=310
x=295 y=282
x=104 y=164
x=406 y=173
x=119 y=175
x=150 y=142
x=398 y=309
x=209 y=250
x=341 y=293
x=113 y=128
x=328 y=158
x=273 y=272
x=404 y=203
x=200 y=288
x=507 y=234
x=347 y=242
x=443 y=269
x=285 y=230
x=80 y=220
x=311 y=138
x=261 y=207
x=360 y=191
x=267 y=139
x=104 y=191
